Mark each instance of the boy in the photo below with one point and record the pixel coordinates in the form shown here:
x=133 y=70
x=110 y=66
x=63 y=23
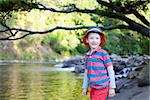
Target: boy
x=99 y=73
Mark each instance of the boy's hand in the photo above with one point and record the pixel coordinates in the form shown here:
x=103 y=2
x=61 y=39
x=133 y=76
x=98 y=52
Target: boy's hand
x=84 y=92
x=112 y=92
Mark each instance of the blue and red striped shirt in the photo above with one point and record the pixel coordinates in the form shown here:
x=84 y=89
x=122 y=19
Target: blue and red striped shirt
x=96 y=64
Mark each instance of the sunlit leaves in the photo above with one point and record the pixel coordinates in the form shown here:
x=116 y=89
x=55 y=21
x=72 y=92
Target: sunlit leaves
x=70 y=42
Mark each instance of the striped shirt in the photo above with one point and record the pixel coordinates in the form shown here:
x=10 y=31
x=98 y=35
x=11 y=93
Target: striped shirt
x=96 y=64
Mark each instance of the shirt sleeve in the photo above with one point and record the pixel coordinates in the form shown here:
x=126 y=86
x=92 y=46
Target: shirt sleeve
x=107 y=60
x=85 y=80
x=111 y=74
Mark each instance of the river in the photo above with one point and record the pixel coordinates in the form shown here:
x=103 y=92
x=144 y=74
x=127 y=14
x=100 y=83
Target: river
x=39 y=82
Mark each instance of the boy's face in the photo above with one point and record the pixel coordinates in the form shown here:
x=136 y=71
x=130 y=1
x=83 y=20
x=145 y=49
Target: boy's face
x=94 y=40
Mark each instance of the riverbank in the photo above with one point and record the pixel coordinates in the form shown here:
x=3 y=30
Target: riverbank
x=130 y=73
x=131 y=91
x=28 y=62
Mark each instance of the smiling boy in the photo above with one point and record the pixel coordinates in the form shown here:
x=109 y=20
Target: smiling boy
x=99 y=73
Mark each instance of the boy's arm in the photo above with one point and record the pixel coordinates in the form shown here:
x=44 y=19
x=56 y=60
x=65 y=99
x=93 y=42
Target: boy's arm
x=111 y=74
x=85 y=81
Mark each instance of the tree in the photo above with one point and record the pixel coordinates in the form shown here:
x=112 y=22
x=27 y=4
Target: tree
x=115 y=9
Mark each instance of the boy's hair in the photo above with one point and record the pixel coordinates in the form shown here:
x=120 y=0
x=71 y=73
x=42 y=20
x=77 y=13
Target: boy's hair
x=94 y=30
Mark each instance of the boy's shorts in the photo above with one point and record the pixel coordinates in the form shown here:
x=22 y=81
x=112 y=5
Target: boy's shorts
x=101 y=94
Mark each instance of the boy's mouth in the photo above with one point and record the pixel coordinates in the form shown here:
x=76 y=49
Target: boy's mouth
x=94 y=43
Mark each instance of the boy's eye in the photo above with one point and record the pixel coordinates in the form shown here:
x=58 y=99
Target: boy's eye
x=94 y=37
x=91 y=37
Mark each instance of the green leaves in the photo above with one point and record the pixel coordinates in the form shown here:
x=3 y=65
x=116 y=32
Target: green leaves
x=10 y=5
x=24 y=15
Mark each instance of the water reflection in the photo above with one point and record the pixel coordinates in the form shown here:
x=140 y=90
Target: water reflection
x=24 y=82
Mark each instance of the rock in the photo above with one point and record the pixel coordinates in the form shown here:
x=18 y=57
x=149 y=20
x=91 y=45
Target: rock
x=72 y=62
x=121 y=83
x=130 y=91
x=79 y=69
x=144 y=78
x=118 y=65
x=132 y=75
x=115 y=57
x=134 y=60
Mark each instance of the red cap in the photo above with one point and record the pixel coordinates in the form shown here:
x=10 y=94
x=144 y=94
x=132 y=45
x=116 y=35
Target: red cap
x=94 y=30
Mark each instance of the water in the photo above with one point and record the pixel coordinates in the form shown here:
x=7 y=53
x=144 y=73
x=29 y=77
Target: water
x=39 y=82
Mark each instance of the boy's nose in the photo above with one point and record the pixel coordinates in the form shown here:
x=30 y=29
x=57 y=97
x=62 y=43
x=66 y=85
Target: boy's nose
x=94 y=40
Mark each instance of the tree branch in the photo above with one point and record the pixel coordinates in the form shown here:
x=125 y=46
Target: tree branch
x=69 y=10
x=125 y=10
x=140 y=17
x=132 y=25
x=28 y=32
x=4 y=25
x=95 y=11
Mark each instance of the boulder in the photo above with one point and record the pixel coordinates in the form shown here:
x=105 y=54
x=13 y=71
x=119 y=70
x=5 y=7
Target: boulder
x=143 y=77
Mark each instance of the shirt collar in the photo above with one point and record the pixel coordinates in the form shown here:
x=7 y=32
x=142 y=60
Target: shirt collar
x=96 y=50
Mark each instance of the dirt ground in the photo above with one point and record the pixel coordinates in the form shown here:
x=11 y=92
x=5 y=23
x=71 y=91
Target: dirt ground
x=131 y=91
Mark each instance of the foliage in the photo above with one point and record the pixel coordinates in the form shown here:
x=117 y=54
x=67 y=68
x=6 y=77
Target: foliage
x=127 y=43
x=10 y=5
x=64 y=42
